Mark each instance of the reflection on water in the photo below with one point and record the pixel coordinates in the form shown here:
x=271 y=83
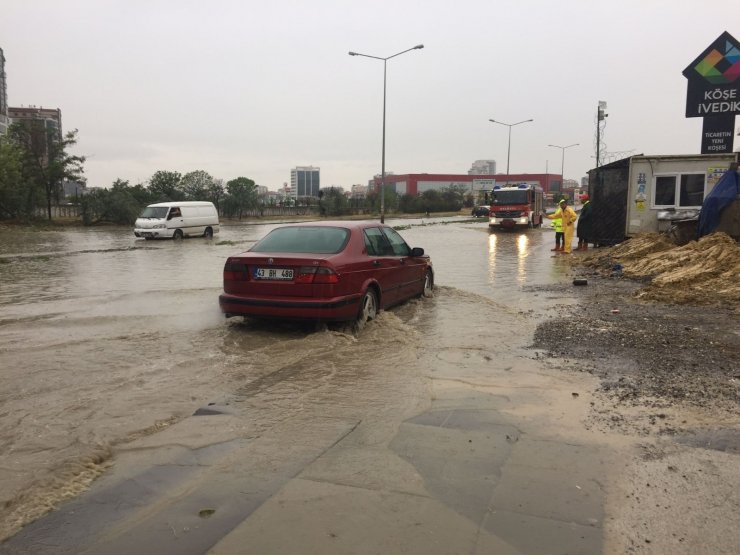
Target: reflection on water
x=521 y=245
x=492 y=240
x=498 y=264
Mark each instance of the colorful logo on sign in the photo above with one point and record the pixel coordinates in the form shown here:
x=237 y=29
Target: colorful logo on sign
x=718 y=67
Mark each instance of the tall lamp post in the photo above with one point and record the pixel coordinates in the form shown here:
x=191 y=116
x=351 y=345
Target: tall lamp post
x=562 y=164
x=382 y=169
x=508 y=150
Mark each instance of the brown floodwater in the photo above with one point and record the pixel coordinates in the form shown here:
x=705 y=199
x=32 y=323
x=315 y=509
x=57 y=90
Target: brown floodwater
x=105 y=338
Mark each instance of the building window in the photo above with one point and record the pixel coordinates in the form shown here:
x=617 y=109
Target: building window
x=665 y=191
x=685 y=190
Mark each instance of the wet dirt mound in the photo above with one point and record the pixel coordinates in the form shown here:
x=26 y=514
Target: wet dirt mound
x=700 y=272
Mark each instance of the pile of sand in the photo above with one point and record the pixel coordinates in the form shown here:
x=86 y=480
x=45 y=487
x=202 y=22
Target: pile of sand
x=706 y=271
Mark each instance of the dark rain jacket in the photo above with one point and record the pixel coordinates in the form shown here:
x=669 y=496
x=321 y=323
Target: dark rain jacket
x=584 y=221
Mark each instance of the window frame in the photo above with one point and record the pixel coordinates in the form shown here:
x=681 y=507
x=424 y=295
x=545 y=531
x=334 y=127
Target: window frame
x=383 y=242
x=392 y=235
x=677 y=176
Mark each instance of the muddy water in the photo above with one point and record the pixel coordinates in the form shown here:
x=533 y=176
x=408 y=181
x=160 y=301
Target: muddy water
x=105 y=339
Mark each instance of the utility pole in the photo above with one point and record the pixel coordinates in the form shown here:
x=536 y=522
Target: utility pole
x=600 y=115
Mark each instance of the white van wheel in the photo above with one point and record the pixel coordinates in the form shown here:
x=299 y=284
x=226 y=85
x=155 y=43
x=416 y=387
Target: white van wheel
x=208 y=233
x=177 y=235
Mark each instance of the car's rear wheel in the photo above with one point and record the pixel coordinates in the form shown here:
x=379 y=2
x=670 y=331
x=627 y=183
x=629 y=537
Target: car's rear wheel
x=428 y=285
x=177 y=235
x=368 y=309
x=208 y=233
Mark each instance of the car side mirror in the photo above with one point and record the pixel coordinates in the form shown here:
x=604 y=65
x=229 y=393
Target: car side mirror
x=417 y=251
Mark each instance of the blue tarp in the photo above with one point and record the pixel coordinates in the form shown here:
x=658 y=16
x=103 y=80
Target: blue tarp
x=723 y=194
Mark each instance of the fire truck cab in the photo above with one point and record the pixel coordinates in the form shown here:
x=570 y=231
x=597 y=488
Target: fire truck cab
x=516 y=205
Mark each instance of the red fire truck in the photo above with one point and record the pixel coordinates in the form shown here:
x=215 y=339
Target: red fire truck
x=516 y=205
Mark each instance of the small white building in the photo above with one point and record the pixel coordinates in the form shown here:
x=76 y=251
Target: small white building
x=635 y=194
x=659 y=184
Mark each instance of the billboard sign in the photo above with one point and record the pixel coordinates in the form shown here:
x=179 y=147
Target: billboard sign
x=483 y=184
x=714 y=80
x=716 y=135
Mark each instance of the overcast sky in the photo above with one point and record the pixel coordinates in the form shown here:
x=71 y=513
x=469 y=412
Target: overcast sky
x=247 y=88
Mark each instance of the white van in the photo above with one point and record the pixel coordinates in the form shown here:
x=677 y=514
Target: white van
x=177 y=220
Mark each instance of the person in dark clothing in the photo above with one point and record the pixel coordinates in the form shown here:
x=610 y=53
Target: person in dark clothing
x=584 y=224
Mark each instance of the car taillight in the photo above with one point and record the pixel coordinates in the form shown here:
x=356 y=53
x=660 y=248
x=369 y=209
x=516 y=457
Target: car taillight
x=316 y=274
x=235 y=271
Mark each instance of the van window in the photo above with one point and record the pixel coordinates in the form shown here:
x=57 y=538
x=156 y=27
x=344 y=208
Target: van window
x=174 y=213
x=154 y=212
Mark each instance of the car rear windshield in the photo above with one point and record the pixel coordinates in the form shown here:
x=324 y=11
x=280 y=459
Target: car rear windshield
x=304 y=239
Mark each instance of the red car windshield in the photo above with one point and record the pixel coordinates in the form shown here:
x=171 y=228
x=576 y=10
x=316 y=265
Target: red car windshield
x=304 y=239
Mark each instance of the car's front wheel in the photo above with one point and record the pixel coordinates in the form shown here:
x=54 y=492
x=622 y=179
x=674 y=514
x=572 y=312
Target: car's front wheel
x=177 y=235
x=368 y=309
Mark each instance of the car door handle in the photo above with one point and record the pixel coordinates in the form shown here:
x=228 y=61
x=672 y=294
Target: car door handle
x=376 y=262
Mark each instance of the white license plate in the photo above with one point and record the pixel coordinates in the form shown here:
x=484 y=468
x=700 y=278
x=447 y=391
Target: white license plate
x=273 y=273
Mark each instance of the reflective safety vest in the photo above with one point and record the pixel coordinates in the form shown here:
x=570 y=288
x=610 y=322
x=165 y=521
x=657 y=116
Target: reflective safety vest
x=558 y=225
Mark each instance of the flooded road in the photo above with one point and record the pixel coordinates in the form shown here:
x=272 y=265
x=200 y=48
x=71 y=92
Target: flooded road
x=107 y=341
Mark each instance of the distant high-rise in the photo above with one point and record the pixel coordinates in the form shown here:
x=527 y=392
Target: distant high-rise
x=3 y=96
x=483 y=167
x=50 y=117
x=305 y=182
x=44 y=127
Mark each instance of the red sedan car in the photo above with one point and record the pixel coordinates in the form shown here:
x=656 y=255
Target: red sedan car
x=330 y=271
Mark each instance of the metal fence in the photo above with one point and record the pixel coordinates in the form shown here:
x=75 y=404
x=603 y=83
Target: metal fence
x=72 y=211
x=59 y=211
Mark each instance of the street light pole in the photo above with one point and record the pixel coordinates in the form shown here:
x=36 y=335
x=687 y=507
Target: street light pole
x=382 y=167
x=562 y=164
x=508 y=150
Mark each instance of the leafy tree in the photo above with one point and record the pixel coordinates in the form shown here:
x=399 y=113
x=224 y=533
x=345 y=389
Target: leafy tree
x=215 y=192
x=409 y=204
x=241 y=195
x=372 y=201
x=165 y=186
x=391 y=199
x=334 y=202
x=431 y=201
x=139 y=192
x=13 y=189
x=116 y=205
x=445 y=200
x=196 y=184
x=44 y=157
x=452 y=197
